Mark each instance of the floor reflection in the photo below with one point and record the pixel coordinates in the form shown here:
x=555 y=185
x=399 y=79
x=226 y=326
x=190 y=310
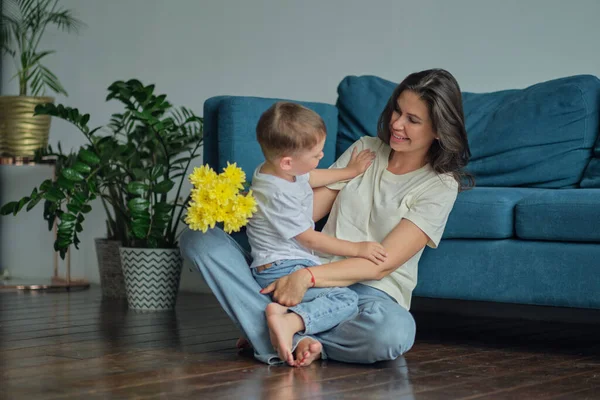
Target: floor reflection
x=328 y=380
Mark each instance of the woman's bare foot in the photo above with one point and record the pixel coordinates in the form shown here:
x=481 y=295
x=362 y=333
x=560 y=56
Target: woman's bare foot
x=307 y=351
x=243 y=344
x=282 y=327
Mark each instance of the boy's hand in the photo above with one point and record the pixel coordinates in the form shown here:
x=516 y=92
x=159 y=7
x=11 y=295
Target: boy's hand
x=372 y=251
x=359 y=162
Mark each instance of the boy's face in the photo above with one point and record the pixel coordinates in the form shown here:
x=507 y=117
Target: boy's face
x=307 y=160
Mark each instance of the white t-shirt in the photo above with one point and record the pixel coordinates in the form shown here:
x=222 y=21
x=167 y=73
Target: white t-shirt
x=284 y=211
x=371 y=205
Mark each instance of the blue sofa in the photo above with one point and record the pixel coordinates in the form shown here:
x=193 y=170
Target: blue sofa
x=528 y=233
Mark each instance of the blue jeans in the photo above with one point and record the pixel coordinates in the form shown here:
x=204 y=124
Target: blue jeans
x=381 y=330
x=321 y=308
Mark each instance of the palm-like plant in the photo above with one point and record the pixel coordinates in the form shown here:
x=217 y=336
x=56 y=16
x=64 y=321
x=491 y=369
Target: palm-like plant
x=23 y=25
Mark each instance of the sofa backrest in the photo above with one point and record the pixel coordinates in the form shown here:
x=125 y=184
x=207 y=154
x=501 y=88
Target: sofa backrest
x=540 y=136
x=230 y=131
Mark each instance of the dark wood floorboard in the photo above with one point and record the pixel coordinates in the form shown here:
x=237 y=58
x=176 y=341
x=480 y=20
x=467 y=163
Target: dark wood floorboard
x=80 y=346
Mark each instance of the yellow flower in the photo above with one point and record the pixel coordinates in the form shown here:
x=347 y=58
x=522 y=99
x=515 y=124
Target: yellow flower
x=200 y=218
x=216 y=198
x=246 y=205
x=200 y=196
x=234 y=175
x=203 y=175
x=223 y=191
x=239 y=211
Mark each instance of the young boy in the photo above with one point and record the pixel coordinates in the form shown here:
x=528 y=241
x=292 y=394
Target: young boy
x=281 y=234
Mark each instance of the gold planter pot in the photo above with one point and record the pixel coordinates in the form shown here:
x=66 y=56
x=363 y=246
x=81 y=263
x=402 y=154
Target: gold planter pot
x=21 y=134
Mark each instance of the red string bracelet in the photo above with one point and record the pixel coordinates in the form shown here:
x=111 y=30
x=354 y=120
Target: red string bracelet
x=312 y=277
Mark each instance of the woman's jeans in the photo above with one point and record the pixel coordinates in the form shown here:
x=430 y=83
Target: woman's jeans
x=321 y=308
x=381 y=330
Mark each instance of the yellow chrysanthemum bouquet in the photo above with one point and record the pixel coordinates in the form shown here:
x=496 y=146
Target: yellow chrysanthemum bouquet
x=219 y=198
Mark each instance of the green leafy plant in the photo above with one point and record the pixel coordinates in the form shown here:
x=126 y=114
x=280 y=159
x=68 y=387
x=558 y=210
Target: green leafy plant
x=132 y=170
x=22 y=28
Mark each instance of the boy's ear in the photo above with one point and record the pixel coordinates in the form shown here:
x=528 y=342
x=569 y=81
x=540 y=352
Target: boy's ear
x=285 y=163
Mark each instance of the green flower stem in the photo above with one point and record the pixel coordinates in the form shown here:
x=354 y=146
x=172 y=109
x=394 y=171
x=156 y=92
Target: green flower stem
x=173 y=231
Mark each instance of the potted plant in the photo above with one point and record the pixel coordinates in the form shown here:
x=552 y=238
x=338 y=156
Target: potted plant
x=24 y=23
x=132 y=171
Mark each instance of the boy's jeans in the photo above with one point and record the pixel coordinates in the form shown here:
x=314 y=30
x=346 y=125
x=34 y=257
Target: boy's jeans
x=321 y=308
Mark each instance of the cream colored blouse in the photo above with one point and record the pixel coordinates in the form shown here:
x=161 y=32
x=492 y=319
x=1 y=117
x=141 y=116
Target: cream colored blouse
x=370 y=206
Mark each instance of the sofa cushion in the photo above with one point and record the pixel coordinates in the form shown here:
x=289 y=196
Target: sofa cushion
x=230 y=131
x=512 y=271
x=570 y=215
x=360 y=101
x=591 y=177
x=540 y=136
x=485 y=213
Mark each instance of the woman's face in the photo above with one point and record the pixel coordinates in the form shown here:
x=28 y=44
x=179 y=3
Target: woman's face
x=411 y=130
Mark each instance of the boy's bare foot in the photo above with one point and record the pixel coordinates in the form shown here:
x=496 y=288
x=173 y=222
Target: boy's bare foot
x=282 y=327
x=243 y=344
x=307 y=351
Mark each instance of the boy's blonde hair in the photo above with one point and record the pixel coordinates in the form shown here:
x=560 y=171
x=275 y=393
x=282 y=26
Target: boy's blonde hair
x=286 y=128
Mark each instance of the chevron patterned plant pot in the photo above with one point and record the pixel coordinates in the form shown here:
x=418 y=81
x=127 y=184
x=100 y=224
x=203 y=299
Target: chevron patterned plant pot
x=151 y=277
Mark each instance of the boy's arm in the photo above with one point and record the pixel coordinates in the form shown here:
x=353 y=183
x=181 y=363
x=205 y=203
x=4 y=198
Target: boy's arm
x=359 y=162
x=323 y=177
x=323 y=243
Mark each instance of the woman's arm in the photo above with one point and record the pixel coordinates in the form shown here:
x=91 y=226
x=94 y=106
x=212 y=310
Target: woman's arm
x=323 y=201
x=402 y=243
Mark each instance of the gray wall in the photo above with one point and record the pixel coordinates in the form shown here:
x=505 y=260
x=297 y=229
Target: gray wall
x=195 y=49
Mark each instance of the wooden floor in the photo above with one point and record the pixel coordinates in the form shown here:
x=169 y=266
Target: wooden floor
x=69 y=346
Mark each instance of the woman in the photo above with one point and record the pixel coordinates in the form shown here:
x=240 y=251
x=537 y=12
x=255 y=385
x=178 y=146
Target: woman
x=402 y=201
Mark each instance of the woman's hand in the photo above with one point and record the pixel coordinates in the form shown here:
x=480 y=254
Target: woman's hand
x=289 y=290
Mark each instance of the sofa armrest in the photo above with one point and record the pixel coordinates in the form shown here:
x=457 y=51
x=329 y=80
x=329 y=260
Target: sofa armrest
x=230 y=131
